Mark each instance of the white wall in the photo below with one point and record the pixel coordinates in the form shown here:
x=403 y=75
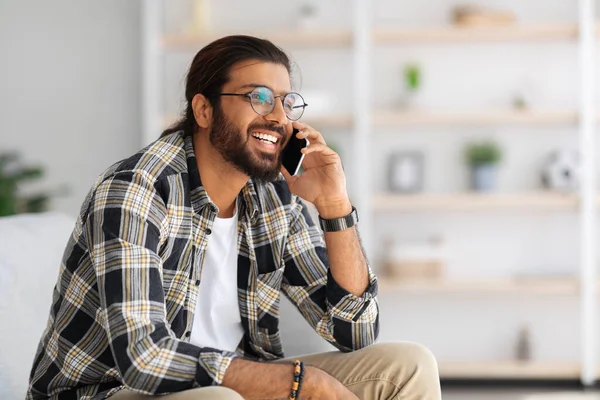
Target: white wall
x=69 y=88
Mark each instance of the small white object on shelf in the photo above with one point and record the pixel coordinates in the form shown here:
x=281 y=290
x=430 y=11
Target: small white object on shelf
x=562 y=171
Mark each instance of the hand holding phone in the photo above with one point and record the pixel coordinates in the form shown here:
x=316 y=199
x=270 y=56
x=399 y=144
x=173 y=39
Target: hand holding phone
x=292 y=155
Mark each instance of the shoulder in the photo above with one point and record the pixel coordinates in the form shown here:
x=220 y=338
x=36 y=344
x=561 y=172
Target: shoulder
x=133 y=177
x=162 y=158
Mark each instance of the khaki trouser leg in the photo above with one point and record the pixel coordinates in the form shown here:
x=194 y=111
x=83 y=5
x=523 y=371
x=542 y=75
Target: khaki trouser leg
x=388 y=371
x=208 y=393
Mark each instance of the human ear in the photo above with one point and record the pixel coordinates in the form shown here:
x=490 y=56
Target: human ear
x=202 y=110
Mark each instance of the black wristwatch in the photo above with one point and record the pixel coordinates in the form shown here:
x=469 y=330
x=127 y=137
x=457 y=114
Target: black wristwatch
x=339 y=224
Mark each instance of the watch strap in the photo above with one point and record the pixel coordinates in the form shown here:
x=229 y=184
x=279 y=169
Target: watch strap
x=339 y=224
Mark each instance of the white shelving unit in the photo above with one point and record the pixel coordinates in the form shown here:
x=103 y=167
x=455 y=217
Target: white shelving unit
x=360 y=41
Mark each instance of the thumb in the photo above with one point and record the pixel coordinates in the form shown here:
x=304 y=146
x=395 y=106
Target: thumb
x=287 y=175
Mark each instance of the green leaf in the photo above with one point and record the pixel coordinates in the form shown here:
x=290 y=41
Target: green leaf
x=412 y=77
x=29 y=173
x=483 y=153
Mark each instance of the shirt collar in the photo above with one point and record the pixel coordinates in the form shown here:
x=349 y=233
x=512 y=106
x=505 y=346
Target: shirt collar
x=248 y=206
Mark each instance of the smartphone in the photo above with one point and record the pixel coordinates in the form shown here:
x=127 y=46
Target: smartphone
x=292 y=155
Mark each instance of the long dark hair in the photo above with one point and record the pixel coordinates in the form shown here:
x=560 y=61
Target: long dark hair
x=210 y=68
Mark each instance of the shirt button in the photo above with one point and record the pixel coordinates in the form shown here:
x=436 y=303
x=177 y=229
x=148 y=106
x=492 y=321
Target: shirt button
x=208 y=231
x=198 y=282
x=188 y=334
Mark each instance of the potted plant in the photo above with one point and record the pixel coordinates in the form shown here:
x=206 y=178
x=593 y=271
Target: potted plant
x=12 y=174
x=412 y=76
x=483 y=158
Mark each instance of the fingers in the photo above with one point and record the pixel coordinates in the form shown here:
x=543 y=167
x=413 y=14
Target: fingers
x=308 y=132
x=318 y=148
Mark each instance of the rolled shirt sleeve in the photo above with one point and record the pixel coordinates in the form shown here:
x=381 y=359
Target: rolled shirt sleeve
x=347 y=321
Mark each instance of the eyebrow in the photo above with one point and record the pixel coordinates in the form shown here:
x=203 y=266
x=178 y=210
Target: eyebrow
x=255 y=85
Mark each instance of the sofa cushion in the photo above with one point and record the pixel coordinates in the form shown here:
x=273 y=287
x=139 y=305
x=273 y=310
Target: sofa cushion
x=31 y=246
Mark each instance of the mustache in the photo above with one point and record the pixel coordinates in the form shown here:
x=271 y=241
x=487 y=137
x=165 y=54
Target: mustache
x=268 y=127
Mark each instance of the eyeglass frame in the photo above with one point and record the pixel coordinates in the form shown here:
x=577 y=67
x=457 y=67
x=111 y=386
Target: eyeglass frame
x=283 y=96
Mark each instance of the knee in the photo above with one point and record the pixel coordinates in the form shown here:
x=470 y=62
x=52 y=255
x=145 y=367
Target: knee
x=406 y=356
x=213 y=392
x=228 y=394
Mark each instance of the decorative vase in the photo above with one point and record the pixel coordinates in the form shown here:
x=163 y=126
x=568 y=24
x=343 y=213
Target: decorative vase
x=483 y=177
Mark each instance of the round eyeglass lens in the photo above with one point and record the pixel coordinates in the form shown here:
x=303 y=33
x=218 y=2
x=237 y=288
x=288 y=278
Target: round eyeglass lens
x=262 y=100
x=293 y=104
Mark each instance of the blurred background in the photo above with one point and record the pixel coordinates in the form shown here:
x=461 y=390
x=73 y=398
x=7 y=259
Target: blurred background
x=466 y=127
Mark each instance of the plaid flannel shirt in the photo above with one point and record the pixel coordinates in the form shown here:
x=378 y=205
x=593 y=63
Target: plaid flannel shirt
x=123 y=306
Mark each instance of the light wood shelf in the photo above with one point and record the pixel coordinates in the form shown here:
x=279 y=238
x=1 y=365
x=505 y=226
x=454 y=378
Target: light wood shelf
x=308 y=38
x=492 y=117
x=569 y=286
x=510 y=370
x=475 y=34
x=474 y=202
x=341 y=121
x=344 y=38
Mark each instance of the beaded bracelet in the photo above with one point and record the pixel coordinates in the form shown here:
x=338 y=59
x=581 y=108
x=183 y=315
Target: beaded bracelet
x=300 y=381
x=298 y=376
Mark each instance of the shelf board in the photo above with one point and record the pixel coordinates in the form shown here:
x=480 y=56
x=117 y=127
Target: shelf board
x=474 y=286
x=475 y=34
x=344 y=37
x=341 y=121
x=308 y=38
x=510 y=370
x=497 y=117
x=474 y=202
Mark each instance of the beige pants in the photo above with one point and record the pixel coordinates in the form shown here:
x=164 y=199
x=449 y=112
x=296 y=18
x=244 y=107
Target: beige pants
x=391 y=371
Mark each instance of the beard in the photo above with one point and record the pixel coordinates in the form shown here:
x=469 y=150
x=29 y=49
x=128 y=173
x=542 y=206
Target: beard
x=232 y=145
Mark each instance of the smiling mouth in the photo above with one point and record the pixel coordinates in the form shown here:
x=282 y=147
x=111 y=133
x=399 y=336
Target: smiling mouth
x=265 y=137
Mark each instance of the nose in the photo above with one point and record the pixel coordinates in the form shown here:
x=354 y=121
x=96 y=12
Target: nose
x=278 y=114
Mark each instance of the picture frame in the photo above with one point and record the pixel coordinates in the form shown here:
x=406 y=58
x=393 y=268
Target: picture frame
x=406 y=172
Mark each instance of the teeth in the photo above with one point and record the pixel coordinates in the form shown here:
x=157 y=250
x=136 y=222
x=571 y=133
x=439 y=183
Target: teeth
x=265 y=136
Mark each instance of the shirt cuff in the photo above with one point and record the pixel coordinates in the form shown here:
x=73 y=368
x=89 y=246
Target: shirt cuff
x=213 y=364
x=346 y=305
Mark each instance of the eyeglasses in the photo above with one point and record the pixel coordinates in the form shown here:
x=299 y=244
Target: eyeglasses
x=262 y=100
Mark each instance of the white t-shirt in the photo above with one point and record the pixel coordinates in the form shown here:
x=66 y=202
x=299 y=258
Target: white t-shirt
x=217 y=321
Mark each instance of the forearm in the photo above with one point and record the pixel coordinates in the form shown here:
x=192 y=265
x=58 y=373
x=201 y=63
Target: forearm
x=348 y=263
x=256 y=380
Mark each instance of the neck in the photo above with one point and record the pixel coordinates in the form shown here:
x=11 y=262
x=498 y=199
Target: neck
x=222 y=181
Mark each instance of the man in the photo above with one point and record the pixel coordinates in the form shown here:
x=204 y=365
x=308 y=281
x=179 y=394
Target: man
x=170 y=283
